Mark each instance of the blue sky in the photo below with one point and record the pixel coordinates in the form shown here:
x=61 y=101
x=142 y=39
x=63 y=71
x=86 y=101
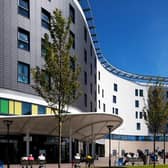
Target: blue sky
x=133 y=34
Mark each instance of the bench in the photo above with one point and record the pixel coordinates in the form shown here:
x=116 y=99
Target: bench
x=30 y=163
x=133 y=160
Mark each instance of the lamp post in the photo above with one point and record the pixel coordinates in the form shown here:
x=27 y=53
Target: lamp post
x=110 y=129
x=8 y=123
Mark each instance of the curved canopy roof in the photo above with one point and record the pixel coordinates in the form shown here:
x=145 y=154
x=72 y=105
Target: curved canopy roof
x=83 y=126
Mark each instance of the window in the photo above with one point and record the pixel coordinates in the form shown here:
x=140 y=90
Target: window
x=4 y=106
x=85 y=34
x=72 y=36
x=145 y=116
x=41 y=109
x=45 y=18
x=95 y=79
x=116 y=111
x=115 y=87
x=72 y=13
x=102 y=92
x=23 y=39
x=85 y=78
x=72 y=64
x=136 y=92
x=99 y=75
x=140 y=115
x=138 y=126
x=91 y=69
x=85 y=56
x=43 y=49
x=141 y=92
x=99 y=104
x=85 y=100
x=91 y=50
x=114 y=99
x=91 y=88
x=136 y=114
x=98 y=89
x=23 y=8
x=113 y=110
x=136 y=103
x=23 y=73
x=104 y=107
x=95 y=63
x=26 y=109
x=91 y=106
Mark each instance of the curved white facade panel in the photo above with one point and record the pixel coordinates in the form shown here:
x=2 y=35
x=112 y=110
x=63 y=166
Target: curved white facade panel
x=124 y=105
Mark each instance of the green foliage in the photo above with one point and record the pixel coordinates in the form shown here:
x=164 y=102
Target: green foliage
x=157 y=110
x=57 y=80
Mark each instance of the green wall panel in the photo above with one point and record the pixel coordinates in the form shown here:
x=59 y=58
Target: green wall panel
x=4 y=106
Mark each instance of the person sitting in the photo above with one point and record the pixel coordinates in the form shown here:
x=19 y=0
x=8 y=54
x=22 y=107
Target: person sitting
x=41 y=157
x=30 y=160
x=30 y=157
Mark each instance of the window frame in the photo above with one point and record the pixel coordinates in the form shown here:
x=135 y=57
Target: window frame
x=138 y=126
x=114 y=99
x=21 y=34
x=72 y=36
x=45 y=18
x=22 y=75
x=22 y=10
x=29 y=105
x=72 y=13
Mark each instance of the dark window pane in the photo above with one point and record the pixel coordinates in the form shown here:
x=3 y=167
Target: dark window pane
x=136 y=92
x=72 y=13
x=141 y=92
x=45 y=18
x=85 y=100
x=23 y=73
x=91 y=106
x=99 y=104
x=136 y=114
x=85 y=78
x=104 y=108
x=41 y=109
x=26 y=109
x=116 y=111
x=136 y=103
x=115 y=87
x=85 y=56
x=23 y=39
x=72 y=36
x=23 y=7
x=114 y=99
x=138 y=126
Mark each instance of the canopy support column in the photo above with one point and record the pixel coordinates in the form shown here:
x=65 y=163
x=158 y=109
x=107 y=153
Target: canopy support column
x=27 y=139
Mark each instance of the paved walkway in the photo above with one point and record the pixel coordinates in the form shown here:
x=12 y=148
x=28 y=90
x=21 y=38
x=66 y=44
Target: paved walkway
x=102 y=161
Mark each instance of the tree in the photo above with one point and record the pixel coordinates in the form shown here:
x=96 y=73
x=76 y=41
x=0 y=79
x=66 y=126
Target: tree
x=157 y=111
x=57 y=80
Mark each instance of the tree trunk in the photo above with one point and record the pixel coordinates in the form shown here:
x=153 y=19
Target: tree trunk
x=154 y=148
x=164 y=148
x=60 y=134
